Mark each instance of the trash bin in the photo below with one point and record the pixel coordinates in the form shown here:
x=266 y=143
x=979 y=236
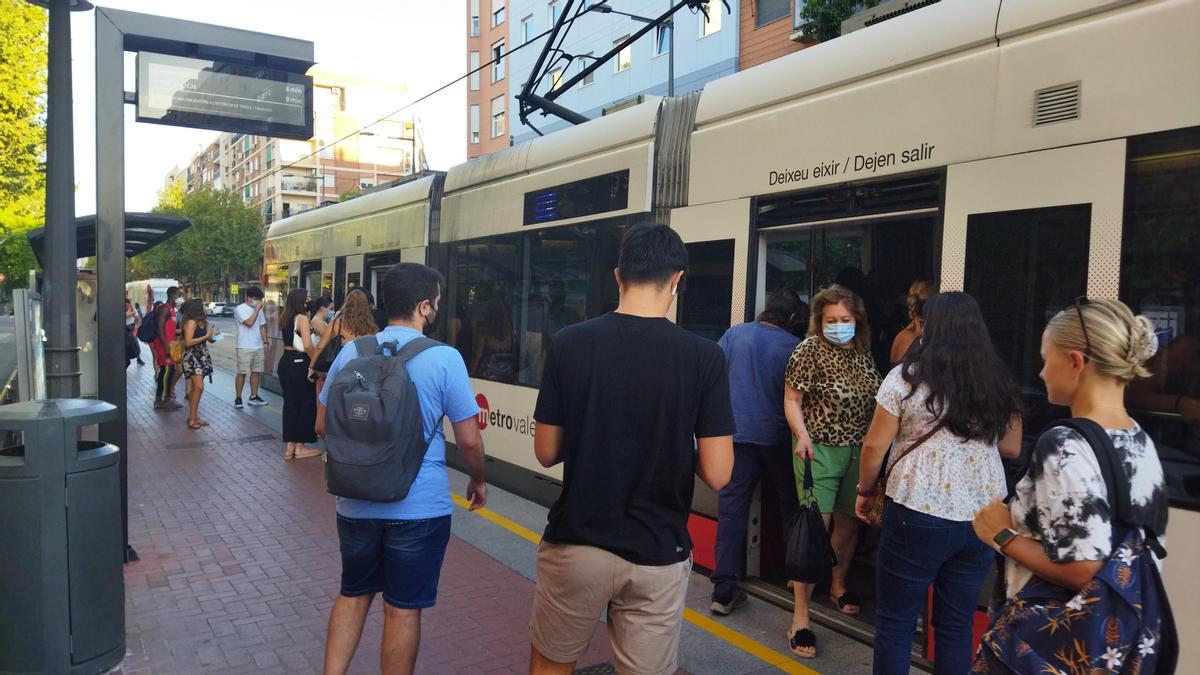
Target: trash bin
x=62 y=591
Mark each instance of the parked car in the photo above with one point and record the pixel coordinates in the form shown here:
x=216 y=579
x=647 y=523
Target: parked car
x=227 y=309
x=213 y=308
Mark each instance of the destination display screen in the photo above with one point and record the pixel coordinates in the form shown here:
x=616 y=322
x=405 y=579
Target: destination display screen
x=586 y=197
x=223 y=96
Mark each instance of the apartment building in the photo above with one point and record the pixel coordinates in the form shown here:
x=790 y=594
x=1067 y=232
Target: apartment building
x=704 y=51
x=488 y=41
x=769 y=29
x=281 y=177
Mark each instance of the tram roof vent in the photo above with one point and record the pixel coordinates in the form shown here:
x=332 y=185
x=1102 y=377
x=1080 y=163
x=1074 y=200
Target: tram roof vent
x=1059 y=103
x=882 y=12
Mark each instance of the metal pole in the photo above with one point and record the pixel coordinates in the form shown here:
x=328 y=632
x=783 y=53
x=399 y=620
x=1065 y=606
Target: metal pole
x=671 y=59
x=110 y=246
x=62 y=352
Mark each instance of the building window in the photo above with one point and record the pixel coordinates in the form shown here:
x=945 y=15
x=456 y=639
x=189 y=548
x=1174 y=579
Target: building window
x=1160 y=244
x=625 y=56
x=474 y=66
x=497 y=12
x=498 y=61
x=713 y=23
x=497 y=116
x=768 y=11
x=474 y=124
x=587 y=79
x=474 y=18
x=555 y=11
x=365 y=183
x=556 y=76
x=328 y=180
x=662 y=39
x=527 y=29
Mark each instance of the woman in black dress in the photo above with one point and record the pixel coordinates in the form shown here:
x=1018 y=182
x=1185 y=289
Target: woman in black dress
x=299 y=399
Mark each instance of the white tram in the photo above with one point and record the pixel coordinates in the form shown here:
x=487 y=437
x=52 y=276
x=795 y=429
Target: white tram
x=1024 y=151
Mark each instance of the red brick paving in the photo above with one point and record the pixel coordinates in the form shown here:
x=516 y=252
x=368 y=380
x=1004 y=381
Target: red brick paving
x=239 y=560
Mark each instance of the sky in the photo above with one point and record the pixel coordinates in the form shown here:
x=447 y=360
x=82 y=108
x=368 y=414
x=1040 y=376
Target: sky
x=418 y=43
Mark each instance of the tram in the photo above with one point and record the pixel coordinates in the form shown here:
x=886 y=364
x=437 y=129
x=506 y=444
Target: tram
x=1026 y=152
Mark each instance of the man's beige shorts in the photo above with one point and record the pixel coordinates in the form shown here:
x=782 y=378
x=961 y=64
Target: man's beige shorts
x=250 y=361
x=645 y=607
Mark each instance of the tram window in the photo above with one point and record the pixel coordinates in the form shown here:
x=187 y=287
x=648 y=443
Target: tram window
x=788 y=265
x=1023 y=267
x=706 y=304
x=1159 y=279
x=485 y=277
x=568 y=277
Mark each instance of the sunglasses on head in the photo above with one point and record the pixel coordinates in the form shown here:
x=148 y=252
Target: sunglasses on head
x=1087 y=341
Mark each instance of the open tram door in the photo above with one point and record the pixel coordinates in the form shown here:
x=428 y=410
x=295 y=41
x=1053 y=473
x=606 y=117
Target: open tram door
x=713 y=299
x=1025 y=235
x=875 y=238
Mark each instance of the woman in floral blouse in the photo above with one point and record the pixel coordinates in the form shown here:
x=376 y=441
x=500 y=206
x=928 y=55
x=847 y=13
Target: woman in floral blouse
x=830 y=385
x=952 y=409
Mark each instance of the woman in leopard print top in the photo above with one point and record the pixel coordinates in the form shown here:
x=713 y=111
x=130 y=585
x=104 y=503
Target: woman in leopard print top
x=829 y=395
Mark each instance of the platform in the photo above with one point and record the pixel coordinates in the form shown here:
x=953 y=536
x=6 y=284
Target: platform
x=239 y=565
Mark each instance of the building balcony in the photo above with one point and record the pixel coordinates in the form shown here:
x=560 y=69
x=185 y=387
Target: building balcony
x=301 y=185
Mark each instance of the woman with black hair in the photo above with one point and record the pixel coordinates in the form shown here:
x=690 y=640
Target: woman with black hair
x=320 y=313
x=953 y=410
x=197 y=362
x=299 y=399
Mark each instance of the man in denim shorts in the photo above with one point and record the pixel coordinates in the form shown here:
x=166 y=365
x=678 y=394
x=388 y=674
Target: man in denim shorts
x=397 y=548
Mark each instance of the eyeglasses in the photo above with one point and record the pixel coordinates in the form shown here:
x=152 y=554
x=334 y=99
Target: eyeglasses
x=1087 y=341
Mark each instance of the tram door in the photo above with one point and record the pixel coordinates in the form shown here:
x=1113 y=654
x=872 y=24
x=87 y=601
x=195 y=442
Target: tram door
x=1026 y=235
x=878 y=258
x=713 y=298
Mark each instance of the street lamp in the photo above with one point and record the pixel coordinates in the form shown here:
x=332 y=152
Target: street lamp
x=603 y=8
x=62 y=352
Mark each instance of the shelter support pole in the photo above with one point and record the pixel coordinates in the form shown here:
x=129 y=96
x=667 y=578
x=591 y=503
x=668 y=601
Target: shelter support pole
x=110 y=246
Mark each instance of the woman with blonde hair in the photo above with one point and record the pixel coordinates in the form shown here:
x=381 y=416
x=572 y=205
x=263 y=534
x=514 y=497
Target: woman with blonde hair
x=353 y=320
x=1058 y=531
x=829 y=394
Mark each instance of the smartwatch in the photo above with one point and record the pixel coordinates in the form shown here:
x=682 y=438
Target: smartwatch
x=1002 y=538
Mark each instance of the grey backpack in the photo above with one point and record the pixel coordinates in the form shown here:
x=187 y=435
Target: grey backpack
x=374 y=435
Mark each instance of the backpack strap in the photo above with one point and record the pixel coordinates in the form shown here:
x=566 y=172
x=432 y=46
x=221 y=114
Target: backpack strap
x=366 y=346
x=1114 y=481
x=414 y=347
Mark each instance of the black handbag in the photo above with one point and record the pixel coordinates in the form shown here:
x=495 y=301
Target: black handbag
x=810 y=556
x=326 y=357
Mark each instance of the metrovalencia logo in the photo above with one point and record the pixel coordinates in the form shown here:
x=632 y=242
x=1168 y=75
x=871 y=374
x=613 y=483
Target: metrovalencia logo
x=501 y=420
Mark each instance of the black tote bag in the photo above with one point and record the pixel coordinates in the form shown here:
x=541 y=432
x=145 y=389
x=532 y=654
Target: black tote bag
x=810 y=557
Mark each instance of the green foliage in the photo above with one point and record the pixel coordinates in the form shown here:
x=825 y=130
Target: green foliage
x=22 y=135
x=224 y=243
x=822 y=19
x=348 y=195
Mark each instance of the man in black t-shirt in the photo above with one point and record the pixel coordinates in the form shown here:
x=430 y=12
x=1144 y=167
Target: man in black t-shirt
x=633 y=406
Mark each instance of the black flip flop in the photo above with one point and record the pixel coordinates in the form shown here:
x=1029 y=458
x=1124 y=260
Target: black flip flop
x=848 y=598
x=803 y=638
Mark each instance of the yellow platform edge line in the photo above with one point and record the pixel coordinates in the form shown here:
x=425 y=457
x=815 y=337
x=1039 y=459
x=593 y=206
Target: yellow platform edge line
x=747 y=644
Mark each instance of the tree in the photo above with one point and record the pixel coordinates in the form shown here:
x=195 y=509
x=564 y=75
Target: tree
x=822 y=19
x=224 y=243
x=22 y=135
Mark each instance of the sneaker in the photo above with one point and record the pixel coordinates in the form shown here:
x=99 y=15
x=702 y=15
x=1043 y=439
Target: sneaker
x=256 y=400
x=237 y=403
x=160 y=405
x=173 y=404
x=725 y=607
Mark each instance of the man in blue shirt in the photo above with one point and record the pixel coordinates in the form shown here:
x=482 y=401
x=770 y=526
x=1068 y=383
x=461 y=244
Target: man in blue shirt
x=758 y=354
x=397 y=548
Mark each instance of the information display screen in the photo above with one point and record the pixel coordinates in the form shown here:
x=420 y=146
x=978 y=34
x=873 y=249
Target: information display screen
x=223 y=96
x=586 y=197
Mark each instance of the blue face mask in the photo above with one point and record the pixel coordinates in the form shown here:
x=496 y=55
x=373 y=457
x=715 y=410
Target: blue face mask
x=839 y=333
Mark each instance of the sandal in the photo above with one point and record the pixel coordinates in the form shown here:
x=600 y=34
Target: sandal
x=290 y=452
x=192 y=424
x=803 y=639
x=849 y=603
x=201 y=422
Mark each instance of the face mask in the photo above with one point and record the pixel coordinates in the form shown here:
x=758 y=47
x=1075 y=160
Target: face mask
x=839 y=333
x=329 y=315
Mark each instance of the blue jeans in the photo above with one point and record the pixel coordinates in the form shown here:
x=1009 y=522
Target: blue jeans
x=400 y=558
x=916 y=549
x=750 y=463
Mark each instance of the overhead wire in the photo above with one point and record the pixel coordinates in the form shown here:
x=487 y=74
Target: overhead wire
x=419 y=100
